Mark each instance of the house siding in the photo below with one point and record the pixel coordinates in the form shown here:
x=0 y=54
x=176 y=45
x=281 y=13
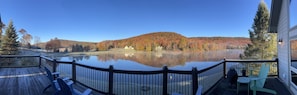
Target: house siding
x=283 y=49
x=286 y=34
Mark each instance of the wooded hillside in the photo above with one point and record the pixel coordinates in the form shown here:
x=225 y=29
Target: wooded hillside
x=67 y=43
x=175 y=42
x=169 y=41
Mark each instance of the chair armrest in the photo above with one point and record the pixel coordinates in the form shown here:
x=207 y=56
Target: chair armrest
x=256 y=78
x=69 y=83
x=66 y=78
x=56 y=74
x=87 y=92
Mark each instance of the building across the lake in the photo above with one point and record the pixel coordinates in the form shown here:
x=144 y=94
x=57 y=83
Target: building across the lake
x=129 y=47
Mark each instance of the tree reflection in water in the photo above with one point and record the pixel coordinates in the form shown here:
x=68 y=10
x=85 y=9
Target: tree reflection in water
x=159 y=59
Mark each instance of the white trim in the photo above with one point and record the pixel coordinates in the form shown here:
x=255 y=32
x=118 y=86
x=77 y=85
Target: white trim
x=293 y=69
x=293 y=85
x=23 y=75
x=289 y=79
x=293 y=88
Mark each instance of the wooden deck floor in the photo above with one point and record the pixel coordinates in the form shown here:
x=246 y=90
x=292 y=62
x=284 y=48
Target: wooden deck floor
x=23 y=81
x=223 y=88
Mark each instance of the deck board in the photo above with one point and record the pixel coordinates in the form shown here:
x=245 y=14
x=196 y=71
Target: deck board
x=223 y=88
x=23 y=81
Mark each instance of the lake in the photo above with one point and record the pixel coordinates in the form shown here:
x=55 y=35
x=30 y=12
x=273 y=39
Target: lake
x=154 y=60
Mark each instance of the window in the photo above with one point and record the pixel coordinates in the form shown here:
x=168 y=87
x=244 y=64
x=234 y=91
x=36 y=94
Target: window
x=294 y=78
x=293 y=53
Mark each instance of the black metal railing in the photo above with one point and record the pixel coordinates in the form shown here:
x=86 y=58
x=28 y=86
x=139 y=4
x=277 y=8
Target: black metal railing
x=159 y=82
x=13 y=61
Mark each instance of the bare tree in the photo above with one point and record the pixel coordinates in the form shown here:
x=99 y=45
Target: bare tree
x=26 y=38
x=36 y=41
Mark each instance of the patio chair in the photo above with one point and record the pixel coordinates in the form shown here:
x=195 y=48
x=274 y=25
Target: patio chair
x=67 y=89
x=199 y=91
x=54 y=83
x=257 y=83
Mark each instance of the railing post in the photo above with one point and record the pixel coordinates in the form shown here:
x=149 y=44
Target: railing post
x=195 y=80
x=74 y=71
x=277 y=66
x=54 y=65
x=224 y=68
x=165 y=80
x=110 y=83
x=39 y=61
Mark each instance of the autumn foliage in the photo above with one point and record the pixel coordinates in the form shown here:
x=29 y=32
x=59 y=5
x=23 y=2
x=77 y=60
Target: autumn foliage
x=175 y=42
x=53 y=44
x=74 y=46
x=169 y=41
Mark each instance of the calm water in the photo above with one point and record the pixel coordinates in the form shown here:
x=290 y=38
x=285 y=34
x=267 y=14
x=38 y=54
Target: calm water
x=155 y=61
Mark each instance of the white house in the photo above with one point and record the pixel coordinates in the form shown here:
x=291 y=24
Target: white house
x=129 y=47
x=280 y=23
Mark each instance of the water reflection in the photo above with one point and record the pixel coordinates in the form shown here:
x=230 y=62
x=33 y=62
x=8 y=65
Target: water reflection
x=158 y=59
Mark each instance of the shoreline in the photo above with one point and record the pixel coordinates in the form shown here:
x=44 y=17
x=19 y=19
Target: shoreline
x=118 y=51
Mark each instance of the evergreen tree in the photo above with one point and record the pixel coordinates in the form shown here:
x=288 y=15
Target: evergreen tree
x=263 y=44
x=2 y=25
x=9 y=41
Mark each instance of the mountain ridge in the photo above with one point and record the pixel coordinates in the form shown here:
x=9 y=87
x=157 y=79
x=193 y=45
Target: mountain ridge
x=174 y=41
x=165 y=40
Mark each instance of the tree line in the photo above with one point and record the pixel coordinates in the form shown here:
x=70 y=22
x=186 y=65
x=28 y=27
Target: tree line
x=55 y=45
x=175 y=42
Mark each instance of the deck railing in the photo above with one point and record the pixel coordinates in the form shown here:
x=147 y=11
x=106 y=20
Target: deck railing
x=159 y=82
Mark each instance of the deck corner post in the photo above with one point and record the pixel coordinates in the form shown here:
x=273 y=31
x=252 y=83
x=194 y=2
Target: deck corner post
x=39 y=61
x=194 y=80
x=110 y=83
x=225 y=68
x=55 y=65
x=74 y=71
x=165 y=79
x=277 y=64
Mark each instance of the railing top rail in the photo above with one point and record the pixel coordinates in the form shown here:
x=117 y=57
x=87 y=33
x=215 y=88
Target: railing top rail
x=46 y=58
x=67 y=62
x=138 y=72
x=12 y=56
x=92 y=67
x=205 y=69
x=237 y=60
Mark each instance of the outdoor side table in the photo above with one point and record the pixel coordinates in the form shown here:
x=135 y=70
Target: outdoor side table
x=243 y=80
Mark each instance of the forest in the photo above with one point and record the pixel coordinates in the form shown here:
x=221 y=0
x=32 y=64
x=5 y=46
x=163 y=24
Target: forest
x=171 y=41
x=156 y=41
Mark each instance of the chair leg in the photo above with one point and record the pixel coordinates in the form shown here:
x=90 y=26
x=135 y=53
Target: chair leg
x=57 y=93
x=46 y=88
x=254 y=92
x=238 y=84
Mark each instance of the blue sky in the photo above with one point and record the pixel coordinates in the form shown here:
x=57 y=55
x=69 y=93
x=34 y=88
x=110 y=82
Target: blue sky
x=98 y=20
